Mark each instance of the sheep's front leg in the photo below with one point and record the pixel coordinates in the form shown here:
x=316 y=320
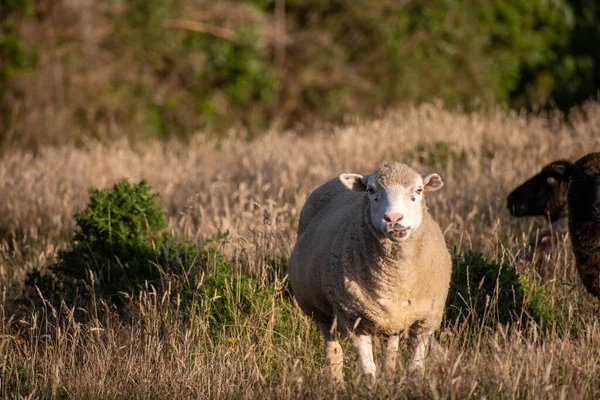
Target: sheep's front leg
x=390 y=353
x=333 y=354
x=418 y=345
x=364 y=349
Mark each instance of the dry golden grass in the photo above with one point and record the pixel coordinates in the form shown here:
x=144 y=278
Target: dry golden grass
x=255 y=191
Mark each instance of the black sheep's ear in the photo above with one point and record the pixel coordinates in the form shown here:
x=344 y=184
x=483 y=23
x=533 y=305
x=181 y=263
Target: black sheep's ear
x=562 y=170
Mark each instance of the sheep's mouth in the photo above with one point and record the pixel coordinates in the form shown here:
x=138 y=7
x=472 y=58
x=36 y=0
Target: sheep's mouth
x=521 y=210
x=516 y=211
x=399 y=233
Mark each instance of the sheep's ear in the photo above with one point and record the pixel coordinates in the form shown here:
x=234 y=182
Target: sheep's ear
x=355 y=182
x=432 y=182
x=562 y=170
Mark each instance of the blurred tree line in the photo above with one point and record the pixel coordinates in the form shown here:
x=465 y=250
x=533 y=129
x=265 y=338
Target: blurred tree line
x=71 y=69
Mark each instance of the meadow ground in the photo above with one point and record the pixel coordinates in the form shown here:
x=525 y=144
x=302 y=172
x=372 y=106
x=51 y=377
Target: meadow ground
x=162 y=347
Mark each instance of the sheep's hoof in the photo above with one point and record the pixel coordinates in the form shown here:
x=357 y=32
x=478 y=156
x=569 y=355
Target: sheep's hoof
x=417 y=369
x=336 y=382
x=370 y=379
x=338 y=385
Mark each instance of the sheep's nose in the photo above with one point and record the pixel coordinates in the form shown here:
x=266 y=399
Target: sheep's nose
x=392 y=218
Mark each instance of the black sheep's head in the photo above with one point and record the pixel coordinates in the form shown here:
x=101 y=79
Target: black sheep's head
x=544 y=194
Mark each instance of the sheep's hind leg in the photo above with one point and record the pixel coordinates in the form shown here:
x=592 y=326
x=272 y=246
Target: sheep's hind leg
x=333 y=353
x=390 y=353
x=419 y=342
x=364 y=349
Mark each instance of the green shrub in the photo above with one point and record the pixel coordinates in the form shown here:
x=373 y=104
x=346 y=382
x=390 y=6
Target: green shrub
x=488 y=293
x=223 y=294
x=228 y=298
x=539 y=302
x=120 y=243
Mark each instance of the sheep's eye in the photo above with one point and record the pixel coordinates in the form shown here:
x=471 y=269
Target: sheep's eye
x=371 y=190
x=419 y=190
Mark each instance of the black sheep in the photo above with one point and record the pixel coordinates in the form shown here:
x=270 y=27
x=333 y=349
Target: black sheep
x=584 y=217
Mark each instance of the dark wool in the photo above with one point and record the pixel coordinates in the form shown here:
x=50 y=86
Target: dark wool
x=584 y=224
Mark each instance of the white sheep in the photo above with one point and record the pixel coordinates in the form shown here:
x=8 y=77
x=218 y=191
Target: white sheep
x=370 y=260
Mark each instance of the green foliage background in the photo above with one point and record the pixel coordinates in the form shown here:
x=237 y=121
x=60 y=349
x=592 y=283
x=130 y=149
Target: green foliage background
x=170 y=68
x=15 y=54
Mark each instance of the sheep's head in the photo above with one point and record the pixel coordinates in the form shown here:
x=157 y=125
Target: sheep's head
x=395 y=193
x=544 y=194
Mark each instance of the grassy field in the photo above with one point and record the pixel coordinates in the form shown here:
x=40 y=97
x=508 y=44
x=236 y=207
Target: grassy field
x=164 y=347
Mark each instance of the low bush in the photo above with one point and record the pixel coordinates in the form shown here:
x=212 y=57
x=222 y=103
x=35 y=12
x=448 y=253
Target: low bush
x=121 y=242
x=488 y=293
x=228 y=299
